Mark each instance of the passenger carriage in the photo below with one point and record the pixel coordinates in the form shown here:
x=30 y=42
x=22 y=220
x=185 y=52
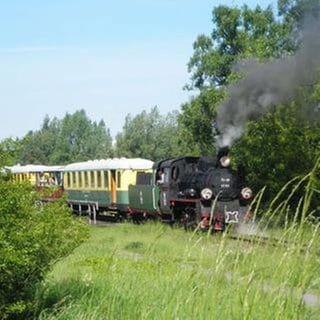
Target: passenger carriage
x=47 y=180
x=101 y=186
x=37 y=175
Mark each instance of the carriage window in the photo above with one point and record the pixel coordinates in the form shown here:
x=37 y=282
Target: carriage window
x=99 y=180
x=105 y=179
x=86 y=179
x=118 y=179
x=59 y=176
x=74 y=179
x=80 y=178
x=144 y=178
x=92 y=179
x=68 y=179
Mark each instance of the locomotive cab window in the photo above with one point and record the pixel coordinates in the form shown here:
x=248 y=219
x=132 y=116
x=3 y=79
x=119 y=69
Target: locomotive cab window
x=175 y=173
x=160 y=176
x=166 y=175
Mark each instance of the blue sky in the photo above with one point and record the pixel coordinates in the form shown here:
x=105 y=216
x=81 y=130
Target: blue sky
x=110 y=58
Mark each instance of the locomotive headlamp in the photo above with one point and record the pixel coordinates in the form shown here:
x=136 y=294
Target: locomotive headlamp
x=246 y=193
x=225 y=161
x=206 y=193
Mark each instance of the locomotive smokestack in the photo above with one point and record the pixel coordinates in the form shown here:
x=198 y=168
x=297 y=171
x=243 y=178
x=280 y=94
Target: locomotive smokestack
x=269 y=84
x=222 y=151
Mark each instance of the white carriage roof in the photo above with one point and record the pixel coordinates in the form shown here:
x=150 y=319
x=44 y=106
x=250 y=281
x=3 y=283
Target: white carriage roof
x=110 y=164
x=32 y=168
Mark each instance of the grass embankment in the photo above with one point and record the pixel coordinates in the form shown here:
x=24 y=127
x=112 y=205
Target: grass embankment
x=154 y=272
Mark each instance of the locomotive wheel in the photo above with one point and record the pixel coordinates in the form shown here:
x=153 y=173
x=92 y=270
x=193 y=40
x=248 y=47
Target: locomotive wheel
x=138 y=218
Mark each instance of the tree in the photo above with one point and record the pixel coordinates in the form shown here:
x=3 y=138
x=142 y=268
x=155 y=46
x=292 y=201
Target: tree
x=74 y=138
x=273 y=145
x=278 y=148
x=31 y=240
x=38 y=146
x=148 y=135
x=294 y=11
x=237 y=34
x=9 y=150
x=81 y=139
x=196 y=122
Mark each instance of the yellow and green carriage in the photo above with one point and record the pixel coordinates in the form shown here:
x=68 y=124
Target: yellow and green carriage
x=37 y=175
x=101 y=187
x=47 y=180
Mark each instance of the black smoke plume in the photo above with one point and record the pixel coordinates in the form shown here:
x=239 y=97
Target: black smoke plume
x=265 y=85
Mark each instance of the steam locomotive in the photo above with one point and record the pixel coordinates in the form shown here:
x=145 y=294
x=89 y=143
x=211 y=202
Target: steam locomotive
x=198 y=192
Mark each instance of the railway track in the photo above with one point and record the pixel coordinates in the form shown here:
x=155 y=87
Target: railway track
x=274 y=242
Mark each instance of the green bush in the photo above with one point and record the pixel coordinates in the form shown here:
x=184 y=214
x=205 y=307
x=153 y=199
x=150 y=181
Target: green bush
x=32 y=237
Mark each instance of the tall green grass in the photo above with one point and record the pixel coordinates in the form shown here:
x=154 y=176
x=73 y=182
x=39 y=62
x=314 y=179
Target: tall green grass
x=156 y=272
x=152 y=271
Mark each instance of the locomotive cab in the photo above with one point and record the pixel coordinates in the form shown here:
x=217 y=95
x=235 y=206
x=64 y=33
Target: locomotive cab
x=173 y=192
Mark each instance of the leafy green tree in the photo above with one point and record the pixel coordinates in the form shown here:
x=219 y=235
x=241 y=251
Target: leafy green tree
x=38 y=146
x=196 y=125
x=9 y=150
x=237 y=34
x=148 y=135
x=74 y=138
x=278 y=148
x=273 y=146
x=31 y=240
x=293 y=11
x=81 y=139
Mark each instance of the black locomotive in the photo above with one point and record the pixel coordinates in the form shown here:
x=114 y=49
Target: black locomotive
x=198 y=192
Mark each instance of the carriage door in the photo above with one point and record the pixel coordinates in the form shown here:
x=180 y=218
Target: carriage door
x=113 y=187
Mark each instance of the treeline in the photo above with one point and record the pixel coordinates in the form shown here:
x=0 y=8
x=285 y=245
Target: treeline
x=77 y=138
x=274 y=147
x=73 y=138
